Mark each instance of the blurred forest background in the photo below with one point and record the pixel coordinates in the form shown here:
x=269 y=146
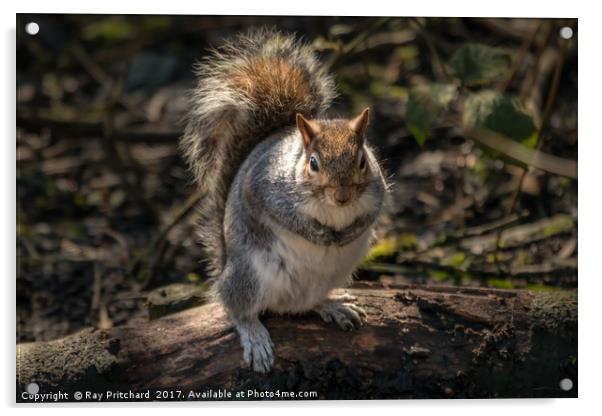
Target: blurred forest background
x=475 y=120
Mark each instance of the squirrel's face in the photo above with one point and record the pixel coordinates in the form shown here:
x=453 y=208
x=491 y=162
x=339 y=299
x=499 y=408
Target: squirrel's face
x=335 y=165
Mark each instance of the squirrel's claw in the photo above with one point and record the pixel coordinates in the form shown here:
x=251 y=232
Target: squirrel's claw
x=343 y=297
x=347 y=315
x=346 y=297
x=362 y=313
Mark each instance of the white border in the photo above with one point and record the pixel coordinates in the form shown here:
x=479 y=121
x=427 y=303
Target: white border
x=589 y=173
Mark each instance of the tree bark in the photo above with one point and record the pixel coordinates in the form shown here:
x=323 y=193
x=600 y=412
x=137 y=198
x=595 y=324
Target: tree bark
x=419 y=342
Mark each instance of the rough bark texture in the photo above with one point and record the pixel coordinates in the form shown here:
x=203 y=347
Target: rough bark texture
x=419 y=342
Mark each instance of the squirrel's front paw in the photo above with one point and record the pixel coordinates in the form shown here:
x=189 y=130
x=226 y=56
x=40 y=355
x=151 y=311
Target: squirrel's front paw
x=257 y=345
x=347 y=315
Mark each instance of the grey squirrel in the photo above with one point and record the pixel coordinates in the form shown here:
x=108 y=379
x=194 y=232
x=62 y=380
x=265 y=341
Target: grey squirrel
x=291 y=198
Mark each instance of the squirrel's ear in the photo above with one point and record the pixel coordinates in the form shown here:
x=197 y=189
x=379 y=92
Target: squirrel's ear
x=308 y=129
x=359 y=123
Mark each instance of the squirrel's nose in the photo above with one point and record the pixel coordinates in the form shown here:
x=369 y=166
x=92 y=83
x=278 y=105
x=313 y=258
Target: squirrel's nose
x=342 y=194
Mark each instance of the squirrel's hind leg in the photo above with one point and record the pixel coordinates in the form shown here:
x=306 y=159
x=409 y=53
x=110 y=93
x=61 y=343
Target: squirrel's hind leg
x=238 y=290
x=347 y=315
x=256 y=343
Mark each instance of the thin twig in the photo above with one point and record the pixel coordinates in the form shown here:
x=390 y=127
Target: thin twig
x=494 y=225
x=98 y=74
x=431 y=45
x=553 y=89
x=98 y=304
x=524 y=48
x=180 y=215
x=157 y=248
x=84 y=130
x=540 y=67
x=350 y=47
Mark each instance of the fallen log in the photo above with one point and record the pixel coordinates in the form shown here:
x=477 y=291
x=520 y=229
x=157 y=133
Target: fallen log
x=419 y=342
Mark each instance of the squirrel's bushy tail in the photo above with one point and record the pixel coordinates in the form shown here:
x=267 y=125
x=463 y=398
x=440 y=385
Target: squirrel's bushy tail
x=248 y=88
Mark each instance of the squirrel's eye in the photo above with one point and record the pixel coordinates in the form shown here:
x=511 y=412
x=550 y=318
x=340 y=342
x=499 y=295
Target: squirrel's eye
x=362 y=162
x=313 y=164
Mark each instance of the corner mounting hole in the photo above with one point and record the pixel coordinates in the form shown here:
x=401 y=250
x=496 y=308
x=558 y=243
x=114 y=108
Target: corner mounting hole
x=32 y=28
x=566 y=33
x=566 y=384
x=32 y=388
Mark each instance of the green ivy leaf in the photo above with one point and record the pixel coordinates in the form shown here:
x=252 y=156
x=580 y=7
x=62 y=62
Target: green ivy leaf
x=502 y=114
x=425 y=105
x=476 y=64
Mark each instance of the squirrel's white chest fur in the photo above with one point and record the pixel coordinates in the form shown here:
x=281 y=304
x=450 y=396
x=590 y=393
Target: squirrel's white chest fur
x=295 y=275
